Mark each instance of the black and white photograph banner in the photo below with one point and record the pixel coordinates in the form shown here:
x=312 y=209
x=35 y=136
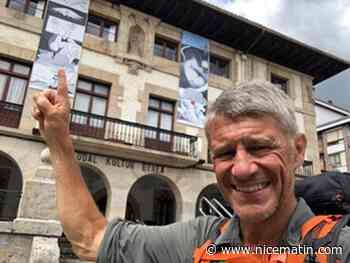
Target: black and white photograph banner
x=193 y=87
x=60 y=44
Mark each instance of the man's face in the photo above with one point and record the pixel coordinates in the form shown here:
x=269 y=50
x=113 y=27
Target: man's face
x=254 y=162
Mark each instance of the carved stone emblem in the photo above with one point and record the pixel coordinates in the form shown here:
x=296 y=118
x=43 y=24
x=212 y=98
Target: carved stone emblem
x=136 y=41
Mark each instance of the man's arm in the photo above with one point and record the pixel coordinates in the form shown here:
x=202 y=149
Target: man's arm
x=82 y=222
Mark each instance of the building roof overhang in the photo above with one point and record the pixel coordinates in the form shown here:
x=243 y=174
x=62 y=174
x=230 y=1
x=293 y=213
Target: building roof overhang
x=204 y=19
x=331 y=107
x=333 y=124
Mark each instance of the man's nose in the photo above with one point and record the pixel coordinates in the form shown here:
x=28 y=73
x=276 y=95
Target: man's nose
x=244 y=165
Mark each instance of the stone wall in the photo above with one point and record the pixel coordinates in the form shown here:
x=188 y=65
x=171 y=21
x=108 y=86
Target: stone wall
x=110 y=62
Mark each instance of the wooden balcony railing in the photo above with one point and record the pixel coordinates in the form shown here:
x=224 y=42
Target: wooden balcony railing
x=130 y=133
x=10 y=114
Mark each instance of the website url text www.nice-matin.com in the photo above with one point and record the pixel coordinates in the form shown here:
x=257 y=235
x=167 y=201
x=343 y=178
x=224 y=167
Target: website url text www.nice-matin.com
x=269 y=250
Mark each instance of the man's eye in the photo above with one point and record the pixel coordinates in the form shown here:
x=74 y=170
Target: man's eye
x=225 y=155
x=259 y=148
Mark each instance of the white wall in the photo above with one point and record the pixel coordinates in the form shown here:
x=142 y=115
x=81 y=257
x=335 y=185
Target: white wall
x=324 y=115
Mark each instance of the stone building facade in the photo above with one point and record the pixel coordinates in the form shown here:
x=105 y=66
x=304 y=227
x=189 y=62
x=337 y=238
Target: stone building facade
x=333 y=136
x=129 y=69
x=334 y=146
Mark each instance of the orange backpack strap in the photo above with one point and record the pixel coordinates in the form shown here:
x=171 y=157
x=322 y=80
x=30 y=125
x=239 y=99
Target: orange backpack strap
x=199 y=252
x=323 y=231
x=223 y=226
x=310 y=224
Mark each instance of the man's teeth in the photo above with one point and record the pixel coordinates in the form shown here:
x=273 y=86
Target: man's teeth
x=252 y=188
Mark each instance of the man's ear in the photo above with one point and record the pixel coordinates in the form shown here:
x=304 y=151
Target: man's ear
x=300 y=143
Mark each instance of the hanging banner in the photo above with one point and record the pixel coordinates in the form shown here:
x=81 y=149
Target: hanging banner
x=60 y=44
x=193 y=87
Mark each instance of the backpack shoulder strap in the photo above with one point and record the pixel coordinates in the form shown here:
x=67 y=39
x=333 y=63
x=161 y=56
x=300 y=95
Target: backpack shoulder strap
x=335 y=233
x=322 y=231
x=199 y=252
x=224 y=225
x=311 y=224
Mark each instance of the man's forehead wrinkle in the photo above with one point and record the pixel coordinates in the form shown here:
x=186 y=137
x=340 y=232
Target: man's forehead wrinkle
x=259 y=138
x=246 y=138
x=225 y=131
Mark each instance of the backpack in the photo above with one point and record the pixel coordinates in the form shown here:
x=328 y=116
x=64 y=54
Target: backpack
x=317 y=232
x=327 y=193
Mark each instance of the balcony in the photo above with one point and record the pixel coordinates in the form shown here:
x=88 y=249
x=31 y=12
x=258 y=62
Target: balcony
x=135 y=135
x=10 y=114
x=32 y=8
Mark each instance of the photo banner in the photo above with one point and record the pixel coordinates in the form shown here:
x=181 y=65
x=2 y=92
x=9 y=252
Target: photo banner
x=60 y=44
x=193 y=87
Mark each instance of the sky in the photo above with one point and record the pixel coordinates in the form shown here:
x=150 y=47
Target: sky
x=324 y=24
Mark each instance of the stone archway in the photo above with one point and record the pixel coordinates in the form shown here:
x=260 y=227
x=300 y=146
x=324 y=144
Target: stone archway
x=152 y=201
x=211 y=202
x=11 y=182
x=96 y=185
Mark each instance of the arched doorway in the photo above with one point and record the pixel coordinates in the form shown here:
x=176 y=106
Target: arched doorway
x=155 y=196
x=96 y=185
x=10 y=188
x=211 y=202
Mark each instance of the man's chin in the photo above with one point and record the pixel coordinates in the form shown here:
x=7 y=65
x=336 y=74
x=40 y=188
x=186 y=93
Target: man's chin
x=255 y=214
x=249 y=218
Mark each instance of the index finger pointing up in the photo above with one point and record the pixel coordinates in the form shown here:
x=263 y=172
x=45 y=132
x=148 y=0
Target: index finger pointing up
x=62 y=89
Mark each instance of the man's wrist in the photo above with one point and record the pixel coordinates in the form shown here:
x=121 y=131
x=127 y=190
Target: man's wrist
x=62 y=149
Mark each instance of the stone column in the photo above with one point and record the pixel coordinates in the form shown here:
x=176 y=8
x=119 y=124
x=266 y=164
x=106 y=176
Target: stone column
x=44 y=250
x=38 y=214
x=2 y=2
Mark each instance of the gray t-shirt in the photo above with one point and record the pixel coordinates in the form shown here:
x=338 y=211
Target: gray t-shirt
x=126 y=242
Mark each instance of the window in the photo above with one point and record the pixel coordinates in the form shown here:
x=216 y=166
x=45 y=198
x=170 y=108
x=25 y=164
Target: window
x=335 y=137
x=13 y=84
x=340 y=141
x=13 y=81
x=219 y=66
x=306 y=169
x=91 y=101
x=100 y=27
x=334 y=160
x=160 y=116
x=30 y=7
x=165 y=48
x=280 y=82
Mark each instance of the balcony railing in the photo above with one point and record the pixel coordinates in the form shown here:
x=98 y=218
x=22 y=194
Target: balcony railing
x=120 y=131
x=33 y=8
x=10 y=114
x=9 y=200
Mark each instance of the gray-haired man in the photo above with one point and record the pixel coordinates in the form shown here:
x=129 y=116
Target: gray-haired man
x=256 y=149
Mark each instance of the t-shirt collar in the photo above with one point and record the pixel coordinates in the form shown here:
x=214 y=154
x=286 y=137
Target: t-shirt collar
x=291 y=237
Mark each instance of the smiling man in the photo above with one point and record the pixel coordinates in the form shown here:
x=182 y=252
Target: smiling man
x=256 y=149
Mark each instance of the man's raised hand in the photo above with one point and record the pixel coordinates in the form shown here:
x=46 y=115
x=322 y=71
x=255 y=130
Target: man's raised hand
x=51 y=109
